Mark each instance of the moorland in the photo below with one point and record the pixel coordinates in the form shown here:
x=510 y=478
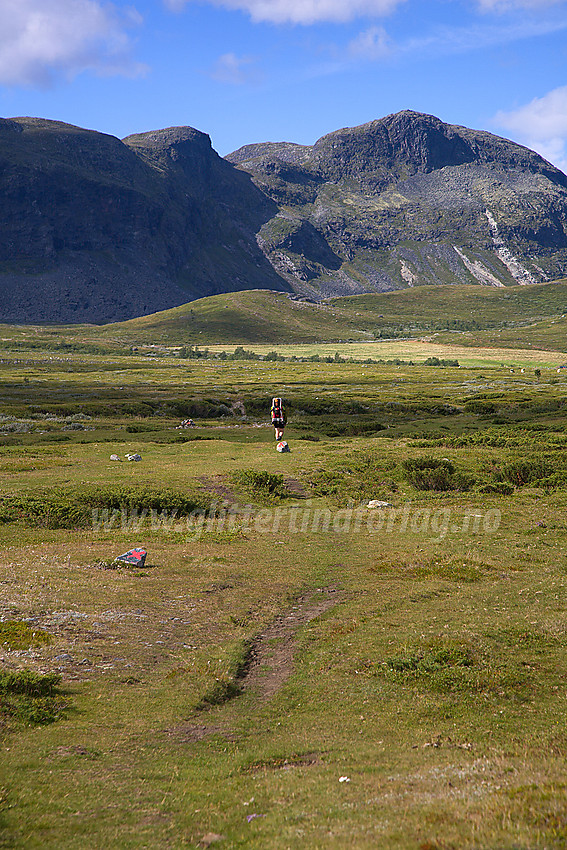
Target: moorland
x=290 y=667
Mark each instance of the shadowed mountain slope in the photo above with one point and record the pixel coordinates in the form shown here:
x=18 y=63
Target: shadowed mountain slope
x=95 y=229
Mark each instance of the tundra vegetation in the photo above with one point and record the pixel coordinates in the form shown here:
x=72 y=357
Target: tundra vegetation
x=290 y=667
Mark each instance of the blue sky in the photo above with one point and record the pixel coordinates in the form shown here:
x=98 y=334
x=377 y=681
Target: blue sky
x=271 y=70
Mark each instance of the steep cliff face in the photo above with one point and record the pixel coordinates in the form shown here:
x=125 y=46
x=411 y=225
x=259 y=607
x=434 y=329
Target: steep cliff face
x=95 y=229
x=409 y=200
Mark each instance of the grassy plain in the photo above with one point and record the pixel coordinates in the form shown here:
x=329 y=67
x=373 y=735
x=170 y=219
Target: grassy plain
x=289 y=668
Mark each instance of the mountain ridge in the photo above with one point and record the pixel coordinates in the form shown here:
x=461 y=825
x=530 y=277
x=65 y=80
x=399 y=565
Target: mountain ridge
x=97 y=229
x=441 y=202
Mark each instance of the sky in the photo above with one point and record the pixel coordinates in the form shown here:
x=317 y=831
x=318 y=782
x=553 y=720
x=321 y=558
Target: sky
x=248 y=71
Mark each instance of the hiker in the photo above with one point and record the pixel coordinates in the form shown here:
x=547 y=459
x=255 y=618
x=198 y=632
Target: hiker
x=279 y=417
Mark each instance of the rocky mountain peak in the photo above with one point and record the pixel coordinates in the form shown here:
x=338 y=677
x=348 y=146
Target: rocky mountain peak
x=407 y=142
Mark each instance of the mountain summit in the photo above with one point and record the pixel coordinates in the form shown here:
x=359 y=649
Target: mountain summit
x=97 y=229
x=408 y=200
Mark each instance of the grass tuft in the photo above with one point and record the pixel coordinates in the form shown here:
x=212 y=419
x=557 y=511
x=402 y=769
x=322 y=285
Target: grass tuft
x=15 y=635
x=31 y=698
x=267 y=486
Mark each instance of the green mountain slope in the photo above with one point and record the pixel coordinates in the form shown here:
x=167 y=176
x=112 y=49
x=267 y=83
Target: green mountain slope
x=268 y=317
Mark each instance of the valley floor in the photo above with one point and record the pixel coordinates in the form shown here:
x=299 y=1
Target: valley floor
x=290 y=667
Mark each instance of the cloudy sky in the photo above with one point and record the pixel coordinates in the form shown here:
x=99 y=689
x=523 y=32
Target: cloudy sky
x=271 y=70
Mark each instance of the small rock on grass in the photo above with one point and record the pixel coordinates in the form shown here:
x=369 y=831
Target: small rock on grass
x=210 y=838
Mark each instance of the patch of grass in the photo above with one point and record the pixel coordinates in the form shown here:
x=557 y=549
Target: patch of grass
x=528 y=637
x=541 y=807
x=227 y=684
x=223 y=690
x=445 y=567
x=449 y=665
x=266 y=486
x=16 y=635
x=438 y=655
x=31 y=698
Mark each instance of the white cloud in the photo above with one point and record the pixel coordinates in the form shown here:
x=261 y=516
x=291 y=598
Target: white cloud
x=41 y=39
x=301 y=11
x=372 y=44
x=541 y=125
x=232 y=69
x=509 y=5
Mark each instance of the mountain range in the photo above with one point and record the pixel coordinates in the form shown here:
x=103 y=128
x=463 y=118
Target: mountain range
x=94 y=229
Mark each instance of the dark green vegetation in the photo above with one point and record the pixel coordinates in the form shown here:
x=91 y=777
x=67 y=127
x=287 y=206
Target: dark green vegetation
x=159 y=219
x=282 y=637
x=30 y=698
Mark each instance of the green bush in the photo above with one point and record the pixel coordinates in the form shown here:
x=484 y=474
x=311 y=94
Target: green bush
x=74 y=508
x=429 y=473
x=521 y=472
x=483 y=408
x=501 y=488
x=266 y=485
x=53 y=509
x=31 y=698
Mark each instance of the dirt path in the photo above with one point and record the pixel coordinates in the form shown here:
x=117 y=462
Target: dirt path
x=273 y=651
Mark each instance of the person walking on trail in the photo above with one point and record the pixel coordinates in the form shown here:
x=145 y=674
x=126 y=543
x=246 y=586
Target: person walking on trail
x=279 y=417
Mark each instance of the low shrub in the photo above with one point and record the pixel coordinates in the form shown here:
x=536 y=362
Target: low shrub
x=482 y=408
x=266 y=485
x=74 y=508
x=429 y=473
x=51 y=509
x=31 y=698
x=523 y=471
x=499 y=488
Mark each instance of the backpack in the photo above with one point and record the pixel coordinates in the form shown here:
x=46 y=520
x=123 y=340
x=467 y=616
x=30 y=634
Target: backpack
x=277 y=410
